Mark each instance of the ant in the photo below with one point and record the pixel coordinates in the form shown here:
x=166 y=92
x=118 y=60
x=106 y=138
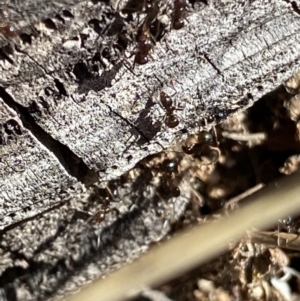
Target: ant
x=9 y=31
x=179 y=11
x=99 y=216
x=149 y=32
x=202 y=146
x=191 y=147
x=171 y=120
x=108 y=194
x=169 y=187
x=145 y=44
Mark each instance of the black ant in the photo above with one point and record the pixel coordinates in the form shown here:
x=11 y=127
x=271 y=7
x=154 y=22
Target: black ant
x=169 y=188
x=179 y=10
x=171 y=120
x=202 y=146
x=9 y=31
x=191 y=146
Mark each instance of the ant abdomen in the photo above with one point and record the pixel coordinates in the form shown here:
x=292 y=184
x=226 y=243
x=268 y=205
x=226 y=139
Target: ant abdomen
x=178 y=14
x=140 y=58
x=172 y=121
x=178 y=24
x=106 y=198
x=144 y=46
x=205 y=137
x=169 y=166
x=9 y=31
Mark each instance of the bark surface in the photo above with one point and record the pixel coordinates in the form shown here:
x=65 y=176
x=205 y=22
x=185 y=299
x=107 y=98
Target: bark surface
x=74 y=111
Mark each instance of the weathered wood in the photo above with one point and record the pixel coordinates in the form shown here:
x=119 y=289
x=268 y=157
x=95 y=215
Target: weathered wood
x=63 y=249
x=31 y=178
x=108 y=120
x=98 y=114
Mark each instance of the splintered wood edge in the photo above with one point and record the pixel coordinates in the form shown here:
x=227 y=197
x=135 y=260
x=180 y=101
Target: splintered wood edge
x=197 y=245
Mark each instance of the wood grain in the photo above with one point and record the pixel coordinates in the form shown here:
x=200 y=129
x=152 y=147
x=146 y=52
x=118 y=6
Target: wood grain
x=87 y=116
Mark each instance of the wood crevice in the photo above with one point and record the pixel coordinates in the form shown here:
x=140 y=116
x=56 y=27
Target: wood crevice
x=73 y=165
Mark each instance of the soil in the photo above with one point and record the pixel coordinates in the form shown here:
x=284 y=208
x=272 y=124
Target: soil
x=252 y=148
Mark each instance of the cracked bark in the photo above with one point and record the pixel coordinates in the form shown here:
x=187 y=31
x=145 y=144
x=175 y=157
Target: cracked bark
x=72 y=112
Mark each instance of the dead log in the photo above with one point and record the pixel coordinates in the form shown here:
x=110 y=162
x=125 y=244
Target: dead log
x=74 y=111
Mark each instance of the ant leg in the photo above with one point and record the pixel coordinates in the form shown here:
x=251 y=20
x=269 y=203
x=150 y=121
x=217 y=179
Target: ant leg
x=172 y=83
x=133 y=52
x=128 y=67
x=216 y=136
x=159 y=80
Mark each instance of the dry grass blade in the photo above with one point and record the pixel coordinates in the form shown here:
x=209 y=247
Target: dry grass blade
x=197 y=245
x=283 y=240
